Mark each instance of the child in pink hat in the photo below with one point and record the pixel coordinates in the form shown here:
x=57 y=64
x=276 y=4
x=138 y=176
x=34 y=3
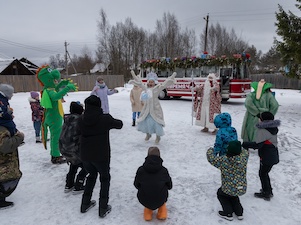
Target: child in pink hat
x=37 y=114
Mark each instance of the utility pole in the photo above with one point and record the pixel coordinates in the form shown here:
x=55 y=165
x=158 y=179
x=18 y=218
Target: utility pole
x=66 y=58
x=206 y=31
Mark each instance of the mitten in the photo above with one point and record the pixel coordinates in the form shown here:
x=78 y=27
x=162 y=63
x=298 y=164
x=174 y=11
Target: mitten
x=144 y=96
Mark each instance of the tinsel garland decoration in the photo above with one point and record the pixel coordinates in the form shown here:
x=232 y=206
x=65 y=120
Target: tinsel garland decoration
x=165 y=63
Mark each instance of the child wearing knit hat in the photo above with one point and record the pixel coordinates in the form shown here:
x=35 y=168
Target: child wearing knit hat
x=36 y=114
x=6 y=112
x=153 y=182
x=233 y=167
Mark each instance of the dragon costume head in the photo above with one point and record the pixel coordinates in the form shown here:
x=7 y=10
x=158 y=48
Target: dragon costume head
x=48 y=77
x=260 y=87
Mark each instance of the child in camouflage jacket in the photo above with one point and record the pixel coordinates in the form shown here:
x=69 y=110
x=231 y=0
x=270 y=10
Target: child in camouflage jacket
x=233 y=168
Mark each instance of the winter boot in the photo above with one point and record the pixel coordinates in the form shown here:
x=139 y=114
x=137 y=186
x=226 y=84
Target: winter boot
x=239 y=217
x=157 y=139
x=4 y=204
x=162 y=212
x=263 y=195
x=68 y=188
x=205 y=129
x=84 y=208
x=148 y=136
x=134 y=123
x=214 y=132
x=38 y=140
x=226 y=216
x=148 y=214
x=78 y=187
x=69 y=183
x=58 y=160
x=104 y=211
x=271 y=193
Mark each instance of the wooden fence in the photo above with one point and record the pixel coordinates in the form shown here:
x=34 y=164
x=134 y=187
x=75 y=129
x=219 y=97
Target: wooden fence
x=278 y=81
x=26 y=83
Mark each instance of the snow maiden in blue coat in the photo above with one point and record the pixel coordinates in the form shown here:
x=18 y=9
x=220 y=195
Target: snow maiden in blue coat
x=225 y=134
x=151 y=120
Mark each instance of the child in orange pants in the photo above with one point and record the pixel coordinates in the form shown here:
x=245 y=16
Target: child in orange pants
x=153 y=182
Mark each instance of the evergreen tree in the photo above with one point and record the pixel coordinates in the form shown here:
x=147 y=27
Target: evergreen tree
x=289 y=29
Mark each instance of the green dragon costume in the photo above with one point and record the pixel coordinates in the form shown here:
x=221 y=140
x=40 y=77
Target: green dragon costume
x=52 y=93
x=261 y=100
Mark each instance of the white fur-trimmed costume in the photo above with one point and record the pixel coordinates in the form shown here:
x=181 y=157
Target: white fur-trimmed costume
x=207 y=103
x=152 y=106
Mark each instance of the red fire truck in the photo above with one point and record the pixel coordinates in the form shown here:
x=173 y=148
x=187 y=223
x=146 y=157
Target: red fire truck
x=232 y=74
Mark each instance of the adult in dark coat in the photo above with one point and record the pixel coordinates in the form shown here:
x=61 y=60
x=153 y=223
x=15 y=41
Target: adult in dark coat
x=10 y=173
x=153 y=182
x=95 y=152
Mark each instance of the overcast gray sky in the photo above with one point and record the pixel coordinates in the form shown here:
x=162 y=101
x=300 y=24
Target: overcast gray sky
x=37 y=29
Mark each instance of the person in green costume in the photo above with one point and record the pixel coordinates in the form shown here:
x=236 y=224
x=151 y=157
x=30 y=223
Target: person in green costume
x=261 y=100
x=52 y=93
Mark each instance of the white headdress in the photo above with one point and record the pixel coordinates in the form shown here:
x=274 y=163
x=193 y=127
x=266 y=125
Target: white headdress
x=152 y=76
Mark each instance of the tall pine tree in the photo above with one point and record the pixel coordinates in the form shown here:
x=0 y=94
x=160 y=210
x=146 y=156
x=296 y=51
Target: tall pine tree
x=289 y=28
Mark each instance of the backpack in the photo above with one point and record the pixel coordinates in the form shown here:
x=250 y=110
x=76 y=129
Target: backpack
x=69 y=139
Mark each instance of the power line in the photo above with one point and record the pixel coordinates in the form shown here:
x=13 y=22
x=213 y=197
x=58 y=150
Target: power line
x=6 y=56
x=26 y=46
x=241 y=13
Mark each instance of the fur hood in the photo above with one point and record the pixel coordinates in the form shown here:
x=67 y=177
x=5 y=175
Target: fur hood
x=269 y=125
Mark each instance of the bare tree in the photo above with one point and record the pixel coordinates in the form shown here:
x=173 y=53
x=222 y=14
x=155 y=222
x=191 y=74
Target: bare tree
x=223 y=42
x=104 y=28
x=57 y=61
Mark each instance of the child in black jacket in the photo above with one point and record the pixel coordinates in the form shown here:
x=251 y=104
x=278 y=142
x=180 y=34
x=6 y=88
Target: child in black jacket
x=70 y=148
x=95 y=152
x=266 y=143
x=153 y=182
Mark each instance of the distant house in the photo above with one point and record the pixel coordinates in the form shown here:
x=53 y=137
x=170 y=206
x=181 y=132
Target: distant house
x=17 y=67
x=101 y=68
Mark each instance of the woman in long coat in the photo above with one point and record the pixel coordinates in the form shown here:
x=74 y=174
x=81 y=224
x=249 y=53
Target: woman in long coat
x=136 y=102
x=102 y=91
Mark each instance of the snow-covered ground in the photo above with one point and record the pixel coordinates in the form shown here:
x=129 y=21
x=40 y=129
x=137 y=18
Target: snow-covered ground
x=40 y=198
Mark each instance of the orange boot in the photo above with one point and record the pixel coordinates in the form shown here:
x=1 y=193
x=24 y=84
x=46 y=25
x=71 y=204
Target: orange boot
x=148 y=214
x=162 y=212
